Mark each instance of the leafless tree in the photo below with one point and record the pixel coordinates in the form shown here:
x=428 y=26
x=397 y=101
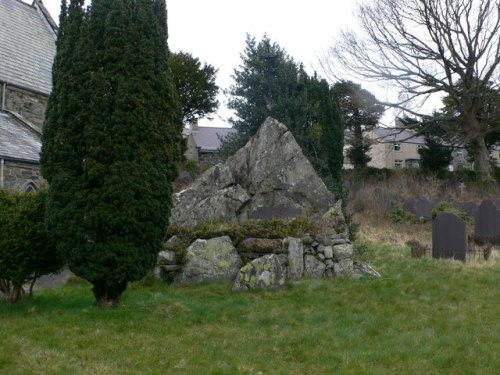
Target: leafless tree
x=425 y=47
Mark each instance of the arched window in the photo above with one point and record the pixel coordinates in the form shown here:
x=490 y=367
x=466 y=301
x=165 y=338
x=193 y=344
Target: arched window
x=30 y=187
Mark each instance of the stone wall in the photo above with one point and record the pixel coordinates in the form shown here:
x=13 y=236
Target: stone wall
x=22 y=176
x=265 y=263
x=29 y=105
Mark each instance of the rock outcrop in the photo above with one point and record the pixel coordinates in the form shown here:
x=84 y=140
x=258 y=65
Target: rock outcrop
x=269 y=171
x=264 y=272
x=209 y=260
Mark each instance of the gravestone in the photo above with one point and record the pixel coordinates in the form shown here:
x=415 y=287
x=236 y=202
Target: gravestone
x=423 y=208
x=449 y=237
x=273 y=212
x=470 y=208
x=487 y=227
x=409 y=205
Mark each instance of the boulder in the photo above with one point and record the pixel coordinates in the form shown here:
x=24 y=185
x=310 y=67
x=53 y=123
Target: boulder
x=343 y=251
x=344 y=267
x=313 y=267
x=295 y=258
x=264 y=272
x=269 y=171
x=365 y=268
x=166 y=257
x=208 y=260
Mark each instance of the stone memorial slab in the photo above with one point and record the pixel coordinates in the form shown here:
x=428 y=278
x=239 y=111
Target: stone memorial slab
x=487 y=227
x=423 y=208
x=449 y=237
x=470 y=208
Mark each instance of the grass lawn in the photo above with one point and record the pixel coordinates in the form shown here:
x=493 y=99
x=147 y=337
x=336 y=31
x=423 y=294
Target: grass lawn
x=423 y=317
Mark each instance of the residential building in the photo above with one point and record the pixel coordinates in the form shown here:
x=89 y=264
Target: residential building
x=398 y=148
x=27 y=50
x=203 y=142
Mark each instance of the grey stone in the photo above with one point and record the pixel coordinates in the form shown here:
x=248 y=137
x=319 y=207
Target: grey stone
x=295 y=258
x=329 y=263
x=328 y=252
x=334 y=218
x=345 y=267
x=343 y=251
x=321 y=256
x=207 y=260
x=269 y=171
x=324 y=239
x=487 y=227
x=166 y=257
x=171 y=244
x=338 y=241
x=171 y=267
x=264 y=272
x=365 y=268
x=313 y=267
x=449 y=237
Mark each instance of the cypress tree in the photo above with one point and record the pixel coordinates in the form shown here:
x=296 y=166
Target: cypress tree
x=123 y=131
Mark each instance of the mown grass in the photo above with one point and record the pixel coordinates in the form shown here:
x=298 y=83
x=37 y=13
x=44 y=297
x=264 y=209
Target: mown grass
x=423 y=317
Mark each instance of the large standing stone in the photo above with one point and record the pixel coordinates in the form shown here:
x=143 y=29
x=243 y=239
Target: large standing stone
x=269 y=171
x=264 y=272
x=313 y=267
x=343 y=251
x=207 y=260
x=295 y=258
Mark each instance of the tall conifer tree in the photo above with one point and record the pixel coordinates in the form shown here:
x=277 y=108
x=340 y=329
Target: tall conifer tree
x=112 y=141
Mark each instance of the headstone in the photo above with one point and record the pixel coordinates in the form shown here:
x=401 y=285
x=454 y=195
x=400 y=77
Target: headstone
x=461 y=187
x=470 y=208
x=273 y=212
x=423 y=208
x=487 y=227
x=409 y=205
x=449 y=237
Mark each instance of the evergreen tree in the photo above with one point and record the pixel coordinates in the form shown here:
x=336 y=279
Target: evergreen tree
x=361 y=113
x=195 y=86
x=268 y=83
x=435 y=157
x=112 y=141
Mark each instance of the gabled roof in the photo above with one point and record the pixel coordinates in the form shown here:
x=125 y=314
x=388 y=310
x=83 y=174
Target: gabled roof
x=17 y=141
x=27 y=45
x=394 y=135
x=207 y=137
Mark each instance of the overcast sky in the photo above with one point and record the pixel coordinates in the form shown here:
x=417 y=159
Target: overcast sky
x=215 y=31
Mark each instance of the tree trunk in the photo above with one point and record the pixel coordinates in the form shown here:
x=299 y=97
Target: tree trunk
x=479 y=149
x=108 y=295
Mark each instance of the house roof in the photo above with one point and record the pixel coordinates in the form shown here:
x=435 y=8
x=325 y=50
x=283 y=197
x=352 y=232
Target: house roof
x=394 y=135
x=207 y=137
x=27 y=45
x=17 y=141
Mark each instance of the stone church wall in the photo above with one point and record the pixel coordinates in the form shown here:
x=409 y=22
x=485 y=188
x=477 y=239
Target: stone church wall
x=22 y=176
x=28 y=104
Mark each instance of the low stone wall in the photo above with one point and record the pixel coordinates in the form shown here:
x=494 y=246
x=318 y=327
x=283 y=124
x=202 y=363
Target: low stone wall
x=261 y=262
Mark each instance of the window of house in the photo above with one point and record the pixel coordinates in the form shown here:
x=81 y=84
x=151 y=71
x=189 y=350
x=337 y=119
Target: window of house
x=459 y=153
x=398 y=163
x=412 y=163
x=419 y=147
x=397 y=146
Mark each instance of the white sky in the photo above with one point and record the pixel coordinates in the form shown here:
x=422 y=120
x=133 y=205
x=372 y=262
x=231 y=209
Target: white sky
x=215 y=31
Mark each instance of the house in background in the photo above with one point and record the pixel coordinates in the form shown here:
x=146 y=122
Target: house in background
x=203 y=142
x=397 y=148
x=27 y=50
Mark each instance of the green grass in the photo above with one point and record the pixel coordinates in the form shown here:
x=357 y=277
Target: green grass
x=423 y=317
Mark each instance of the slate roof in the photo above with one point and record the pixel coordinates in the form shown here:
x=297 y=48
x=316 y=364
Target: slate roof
x=398 y=136
x=207 y=137
x=17 y=141
x=27 y=46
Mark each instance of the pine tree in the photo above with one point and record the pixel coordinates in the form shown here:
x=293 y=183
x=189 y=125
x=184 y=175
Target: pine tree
x=113 y=143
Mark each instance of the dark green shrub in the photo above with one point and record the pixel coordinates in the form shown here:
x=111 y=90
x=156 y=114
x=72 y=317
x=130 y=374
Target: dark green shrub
x=398 y=214
x=446 y=206
x=26 y=252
